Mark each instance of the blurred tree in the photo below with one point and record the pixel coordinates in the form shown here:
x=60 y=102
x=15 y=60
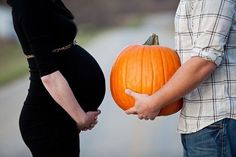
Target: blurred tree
x=102 y=13
x=2 y=2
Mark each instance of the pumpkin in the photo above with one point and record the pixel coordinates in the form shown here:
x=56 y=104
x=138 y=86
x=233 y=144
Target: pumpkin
x=143 y=69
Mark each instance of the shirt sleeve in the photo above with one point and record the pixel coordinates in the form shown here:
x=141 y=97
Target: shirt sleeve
x=211 y=28
x=35 y=23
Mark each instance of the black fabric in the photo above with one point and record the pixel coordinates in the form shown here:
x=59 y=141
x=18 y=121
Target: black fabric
x=45 y=127
x=47 y=131
x=42 y=26
x=83 y=74
x=10 y=2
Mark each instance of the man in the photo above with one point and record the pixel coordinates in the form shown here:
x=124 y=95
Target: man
x=206 y=43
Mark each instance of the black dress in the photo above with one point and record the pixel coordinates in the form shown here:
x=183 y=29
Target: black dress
x=42 y=26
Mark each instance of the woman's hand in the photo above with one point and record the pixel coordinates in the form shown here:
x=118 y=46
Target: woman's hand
x=143 y=106
x=61 y=92
x=88 y=121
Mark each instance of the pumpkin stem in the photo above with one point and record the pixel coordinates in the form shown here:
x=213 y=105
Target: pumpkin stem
x=152 y=40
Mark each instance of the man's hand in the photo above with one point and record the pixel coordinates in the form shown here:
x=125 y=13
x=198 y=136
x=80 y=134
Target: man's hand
x=143 y=107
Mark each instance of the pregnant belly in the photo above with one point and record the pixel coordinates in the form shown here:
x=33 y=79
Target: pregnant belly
x=84 y=76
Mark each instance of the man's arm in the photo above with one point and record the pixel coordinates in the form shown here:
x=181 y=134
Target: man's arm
x=186 y=78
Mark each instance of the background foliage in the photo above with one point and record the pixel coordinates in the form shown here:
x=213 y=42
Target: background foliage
x=92 y=17
x=106 y=13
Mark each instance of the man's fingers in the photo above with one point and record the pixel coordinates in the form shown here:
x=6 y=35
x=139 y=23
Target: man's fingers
x=134 y=94
x=131 y=93
x=140 y=116
x=131 y=110
x=152 y=118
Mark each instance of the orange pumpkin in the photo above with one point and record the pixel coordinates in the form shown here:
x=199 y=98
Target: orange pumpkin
x=143 y=69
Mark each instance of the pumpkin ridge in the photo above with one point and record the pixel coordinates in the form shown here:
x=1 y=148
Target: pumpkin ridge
x=133 y=71
x=142 y=68
x=167 y=66
x=153 y=75
x=163 y=66
x=126 y=70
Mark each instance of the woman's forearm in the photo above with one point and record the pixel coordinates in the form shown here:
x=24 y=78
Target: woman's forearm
x=186 y=78
x=61 y=92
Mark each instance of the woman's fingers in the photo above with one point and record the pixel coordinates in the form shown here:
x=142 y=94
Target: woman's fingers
x=92 y=117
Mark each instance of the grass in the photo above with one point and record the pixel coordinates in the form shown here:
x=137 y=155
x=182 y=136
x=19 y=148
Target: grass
x=12 y=62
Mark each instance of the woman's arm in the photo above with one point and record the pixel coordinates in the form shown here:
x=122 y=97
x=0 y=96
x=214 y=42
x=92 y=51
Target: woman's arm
x=61 y=92
x=186 y=78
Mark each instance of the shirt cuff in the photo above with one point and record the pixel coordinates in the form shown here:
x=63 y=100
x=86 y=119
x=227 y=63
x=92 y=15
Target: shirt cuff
x=210 y=55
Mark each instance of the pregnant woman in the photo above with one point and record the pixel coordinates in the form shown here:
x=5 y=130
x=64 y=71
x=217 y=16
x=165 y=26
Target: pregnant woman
x=66 y=83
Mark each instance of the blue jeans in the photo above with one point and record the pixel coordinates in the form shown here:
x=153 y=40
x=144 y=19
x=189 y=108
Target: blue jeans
x=216 y=140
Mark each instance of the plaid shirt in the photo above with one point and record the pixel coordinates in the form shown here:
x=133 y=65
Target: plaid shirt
x=207 y=28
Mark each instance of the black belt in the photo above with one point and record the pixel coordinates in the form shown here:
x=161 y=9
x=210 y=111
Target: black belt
x=56 y=50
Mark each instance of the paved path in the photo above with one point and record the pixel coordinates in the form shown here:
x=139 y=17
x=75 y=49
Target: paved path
x=116 y=134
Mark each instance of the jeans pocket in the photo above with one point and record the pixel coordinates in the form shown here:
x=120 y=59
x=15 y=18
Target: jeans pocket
x=218 y=124
x=205 y=142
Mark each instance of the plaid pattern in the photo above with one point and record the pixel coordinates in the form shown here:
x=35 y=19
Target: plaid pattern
x=207 y=28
